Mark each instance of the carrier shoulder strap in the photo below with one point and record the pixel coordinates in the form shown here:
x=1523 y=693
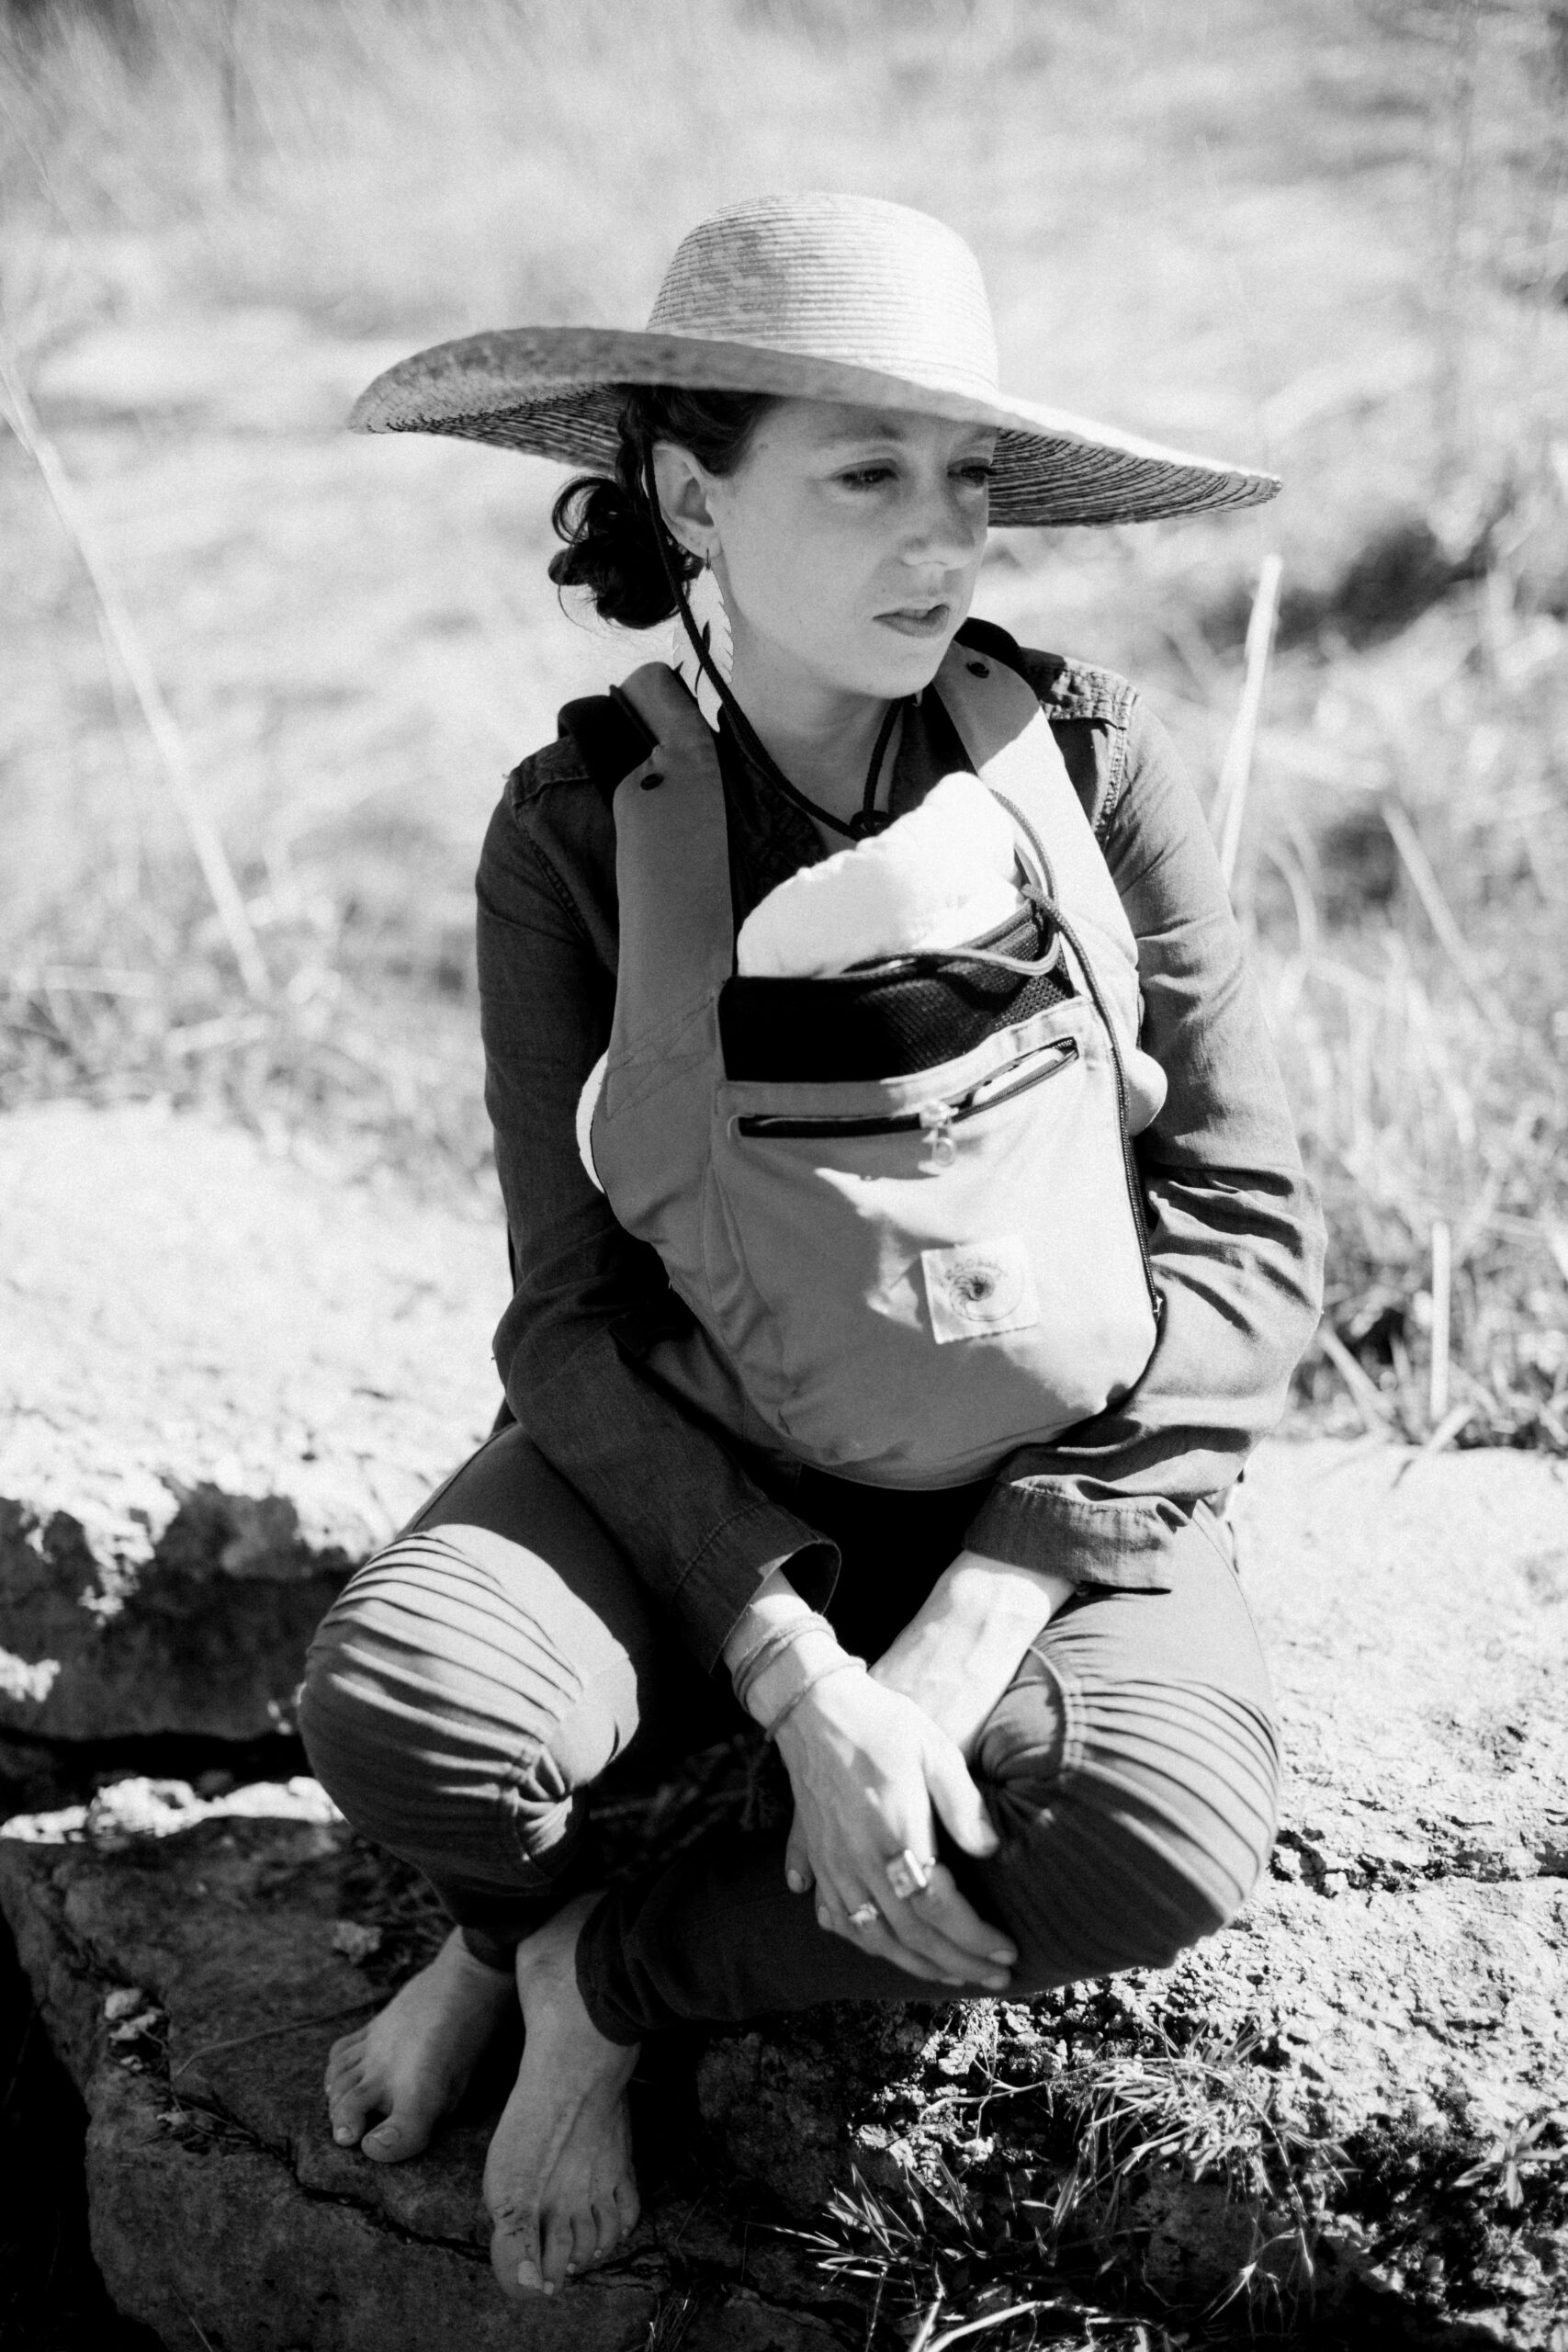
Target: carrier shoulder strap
x=1007 y=732
x=677 y=932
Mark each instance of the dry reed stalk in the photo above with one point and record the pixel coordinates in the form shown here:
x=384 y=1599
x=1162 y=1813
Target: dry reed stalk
x=162 y=726
x=975 y=2326
x=1429 y=890
x=1365 y=1395
x=1443 y=1293
x=1236 y=773
x=921 y=2340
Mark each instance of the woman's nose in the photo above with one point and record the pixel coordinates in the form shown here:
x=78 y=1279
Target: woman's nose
x=944 y=525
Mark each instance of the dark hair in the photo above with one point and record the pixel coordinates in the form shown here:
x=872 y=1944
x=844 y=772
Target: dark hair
x=610 y=548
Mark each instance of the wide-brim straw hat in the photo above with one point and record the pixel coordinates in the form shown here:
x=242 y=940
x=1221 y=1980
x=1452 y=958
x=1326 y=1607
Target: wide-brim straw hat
x=826 y=298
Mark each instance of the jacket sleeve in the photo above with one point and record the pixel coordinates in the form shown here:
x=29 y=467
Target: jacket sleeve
x=1235 y=1233
x=699 y=1531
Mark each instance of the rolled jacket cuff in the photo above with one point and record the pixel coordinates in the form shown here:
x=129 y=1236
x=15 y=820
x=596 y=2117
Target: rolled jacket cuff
x=1121 y=1541
x=721 y=1578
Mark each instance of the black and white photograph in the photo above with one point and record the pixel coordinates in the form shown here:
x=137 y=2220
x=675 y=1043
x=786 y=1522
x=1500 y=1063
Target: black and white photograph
x=784 y=1175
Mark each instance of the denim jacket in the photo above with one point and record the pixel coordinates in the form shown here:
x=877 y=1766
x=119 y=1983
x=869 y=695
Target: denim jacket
x=1235 y=1239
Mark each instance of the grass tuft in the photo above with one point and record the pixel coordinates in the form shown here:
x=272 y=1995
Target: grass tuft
x=1062 y=2190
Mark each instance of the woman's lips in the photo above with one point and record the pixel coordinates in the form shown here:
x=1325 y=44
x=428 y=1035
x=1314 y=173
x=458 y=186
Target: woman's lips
x=918 y=620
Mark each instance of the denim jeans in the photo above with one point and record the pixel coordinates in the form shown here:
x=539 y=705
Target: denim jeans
x=475 y=1680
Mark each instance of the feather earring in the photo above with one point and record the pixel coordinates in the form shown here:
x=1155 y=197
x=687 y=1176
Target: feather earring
x=704 y=602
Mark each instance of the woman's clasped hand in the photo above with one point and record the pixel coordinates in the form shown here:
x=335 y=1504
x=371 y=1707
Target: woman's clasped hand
x=869 y=1771
x=875 y=1761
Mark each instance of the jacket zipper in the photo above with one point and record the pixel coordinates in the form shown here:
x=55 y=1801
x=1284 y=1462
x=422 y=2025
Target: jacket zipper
x=934 y=1120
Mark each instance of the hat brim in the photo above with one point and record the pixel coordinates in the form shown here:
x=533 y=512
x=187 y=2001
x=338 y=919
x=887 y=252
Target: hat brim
x=553 y=391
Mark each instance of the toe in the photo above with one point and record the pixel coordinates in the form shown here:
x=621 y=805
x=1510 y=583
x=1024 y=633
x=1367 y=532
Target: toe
x=584 y=2242
x=629 y=2205
x=344 y=2053
x=515 y=2255
x=557 y=2247
x=606 y=2228
x=406 y=2133
x=344 y=2073
x=349 y=2108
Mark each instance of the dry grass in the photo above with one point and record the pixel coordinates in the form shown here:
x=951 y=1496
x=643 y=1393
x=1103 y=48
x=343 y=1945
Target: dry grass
x=1333 y=237
x=1036 y=2201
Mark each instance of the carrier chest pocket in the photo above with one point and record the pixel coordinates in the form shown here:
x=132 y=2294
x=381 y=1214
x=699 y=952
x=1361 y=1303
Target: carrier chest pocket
x=944 y=1263
x=934 y=1120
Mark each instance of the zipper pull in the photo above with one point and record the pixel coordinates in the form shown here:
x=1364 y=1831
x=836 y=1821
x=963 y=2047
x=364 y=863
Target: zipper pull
x=936 y=1133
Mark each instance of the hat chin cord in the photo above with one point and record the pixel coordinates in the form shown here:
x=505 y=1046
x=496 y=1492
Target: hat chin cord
x=868 y=818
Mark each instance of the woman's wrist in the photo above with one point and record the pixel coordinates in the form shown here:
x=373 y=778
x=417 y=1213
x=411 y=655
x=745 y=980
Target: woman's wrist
x=957 y=1655
x=778 y=1707
x=774 y=1605
x=779 y=1650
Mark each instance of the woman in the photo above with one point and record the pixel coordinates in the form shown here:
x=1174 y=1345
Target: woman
x=1062 y=1760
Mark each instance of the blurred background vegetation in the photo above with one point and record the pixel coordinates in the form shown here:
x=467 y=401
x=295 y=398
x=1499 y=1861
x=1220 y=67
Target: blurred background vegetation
x=1330 y=236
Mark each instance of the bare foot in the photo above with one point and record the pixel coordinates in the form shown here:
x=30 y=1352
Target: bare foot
x=412 y=2065
x=559 y=2179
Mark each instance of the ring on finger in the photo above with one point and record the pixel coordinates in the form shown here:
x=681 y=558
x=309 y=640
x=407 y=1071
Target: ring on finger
x=865 y=1916
x=909 y=1874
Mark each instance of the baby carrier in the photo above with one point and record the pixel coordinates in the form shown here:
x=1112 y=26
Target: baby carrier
x=900 y=1201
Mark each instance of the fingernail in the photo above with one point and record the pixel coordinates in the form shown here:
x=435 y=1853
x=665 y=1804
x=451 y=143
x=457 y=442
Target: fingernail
x=995 y=1984
x=793 y=1881
x=527 y=2276
x=343 y=2135
x=1003 y=1955
x=824 y=1917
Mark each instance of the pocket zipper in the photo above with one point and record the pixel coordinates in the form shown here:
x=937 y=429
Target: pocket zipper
x=934 y=1121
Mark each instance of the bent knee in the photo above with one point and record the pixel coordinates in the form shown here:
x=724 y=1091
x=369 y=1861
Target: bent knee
x=445 y=1682
x=1136 y=1819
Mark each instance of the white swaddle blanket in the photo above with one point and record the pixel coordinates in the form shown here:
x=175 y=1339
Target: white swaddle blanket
x=936 y=877
x=941 y=876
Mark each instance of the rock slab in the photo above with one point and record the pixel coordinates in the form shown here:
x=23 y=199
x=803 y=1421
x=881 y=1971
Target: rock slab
x=204 y=1429
x=1397 y=1986
x=225 y=1378
x=193 y=1961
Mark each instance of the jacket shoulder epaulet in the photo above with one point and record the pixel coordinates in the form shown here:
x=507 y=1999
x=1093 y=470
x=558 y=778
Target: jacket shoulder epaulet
x=607 y=736
x=1041 y=671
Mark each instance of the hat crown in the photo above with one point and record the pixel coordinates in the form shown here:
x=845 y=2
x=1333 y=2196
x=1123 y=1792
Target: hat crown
x=850 y=278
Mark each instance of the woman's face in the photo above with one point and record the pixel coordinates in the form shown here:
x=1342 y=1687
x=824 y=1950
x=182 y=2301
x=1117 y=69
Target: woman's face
x=846 y=543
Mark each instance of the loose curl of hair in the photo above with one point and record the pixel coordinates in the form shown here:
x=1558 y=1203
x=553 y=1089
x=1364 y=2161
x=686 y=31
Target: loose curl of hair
x=610 y=548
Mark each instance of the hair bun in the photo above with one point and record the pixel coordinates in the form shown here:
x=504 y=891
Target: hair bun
x=610 y=550
x=611 y=547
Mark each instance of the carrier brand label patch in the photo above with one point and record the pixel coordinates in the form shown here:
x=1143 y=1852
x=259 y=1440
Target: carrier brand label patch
x=980 y=1287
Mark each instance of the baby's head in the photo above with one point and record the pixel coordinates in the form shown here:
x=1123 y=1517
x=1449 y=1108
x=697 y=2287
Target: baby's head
x=938 y=876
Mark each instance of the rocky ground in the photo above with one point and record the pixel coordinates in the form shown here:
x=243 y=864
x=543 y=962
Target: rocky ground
x=224 y=1378
x=1357 y=2091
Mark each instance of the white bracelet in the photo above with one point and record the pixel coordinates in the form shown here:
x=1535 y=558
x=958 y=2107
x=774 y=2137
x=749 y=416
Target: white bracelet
x=786 y=1665
x=843 y=1664
x=770 y=1644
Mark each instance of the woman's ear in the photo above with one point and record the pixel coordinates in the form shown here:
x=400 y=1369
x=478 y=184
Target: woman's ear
x=682 y=484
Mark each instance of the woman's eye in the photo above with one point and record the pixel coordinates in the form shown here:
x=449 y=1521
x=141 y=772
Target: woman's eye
x=866 y=476
x=980 y=473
